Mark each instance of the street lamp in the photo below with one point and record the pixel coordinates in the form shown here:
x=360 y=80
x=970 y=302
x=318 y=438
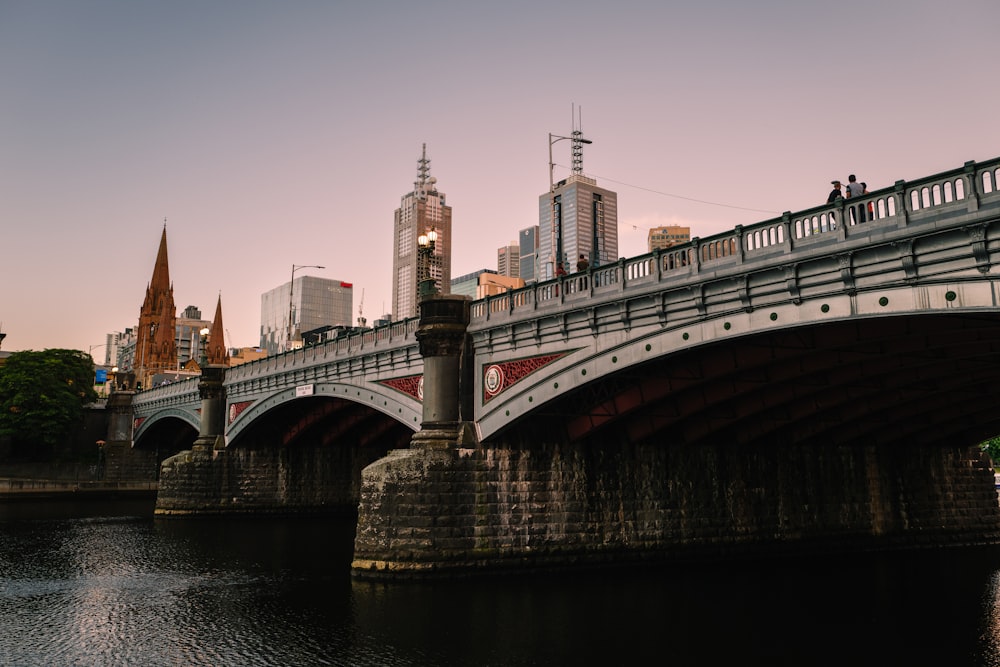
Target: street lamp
x=203 y=348
x=291 y=290
x=578 y=140
x=425 y=252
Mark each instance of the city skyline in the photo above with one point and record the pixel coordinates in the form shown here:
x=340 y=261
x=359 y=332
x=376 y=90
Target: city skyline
x=267 y=136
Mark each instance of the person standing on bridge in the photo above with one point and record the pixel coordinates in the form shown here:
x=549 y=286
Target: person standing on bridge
x=832 y=197
x=582 y=264
x=855 y=189
x=834 y=193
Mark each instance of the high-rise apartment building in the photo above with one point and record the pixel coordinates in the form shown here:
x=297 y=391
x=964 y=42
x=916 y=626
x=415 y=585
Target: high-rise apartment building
x=188 y=335
x=308 y=303
x=576 y=217
x=420 y=211
x=527 y=241
x=509 y=260
x=666 y=236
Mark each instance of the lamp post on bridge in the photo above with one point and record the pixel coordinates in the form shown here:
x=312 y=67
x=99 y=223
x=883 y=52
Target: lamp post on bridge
x=426 y=243
x=291 y=292
x=213 y=400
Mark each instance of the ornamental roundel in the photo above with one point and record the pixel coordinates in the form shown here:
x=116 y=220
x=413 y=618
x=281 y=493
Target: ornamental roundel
x=493 y=380
x=235 y=409
x=498 y=377
x=420 y=389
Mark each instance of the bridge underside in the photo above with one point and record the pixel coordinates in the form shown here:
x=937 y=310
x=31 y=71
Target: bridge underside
x=305 y=455
x=851 y=436
x=907 y=380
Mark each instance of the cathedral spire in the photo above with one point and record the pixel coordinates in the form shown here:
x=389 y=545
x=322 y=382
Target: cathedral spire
x=217 y=354
x=161 y=270
x=155 y=344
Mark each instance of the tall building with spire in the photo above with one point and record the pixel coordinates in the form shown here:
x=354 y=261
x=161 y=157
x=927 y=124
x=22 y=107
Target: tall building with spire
x=575 y=217
x=155 y=347
x=420 y=211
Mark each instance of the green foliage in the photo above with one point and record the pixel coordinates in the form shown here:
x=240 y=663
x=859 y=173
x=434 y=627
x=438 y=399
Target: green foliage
x=992 y=447
x=43 y=394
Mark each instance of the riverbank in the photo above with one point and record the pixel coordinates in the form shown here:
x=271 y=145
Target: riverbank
x=14 y=489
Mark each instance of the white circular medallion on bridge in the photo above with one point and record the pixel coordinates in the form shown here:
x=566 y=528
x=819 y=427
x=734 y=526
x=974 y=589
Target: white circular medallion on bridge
x=232 y=412
x=420 y=388
x=493 y=380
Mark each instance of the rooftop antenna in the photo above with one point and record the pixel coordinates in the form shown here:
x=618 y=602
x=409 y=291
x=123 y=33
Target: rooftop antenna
x=423 y=173
x=577 y=123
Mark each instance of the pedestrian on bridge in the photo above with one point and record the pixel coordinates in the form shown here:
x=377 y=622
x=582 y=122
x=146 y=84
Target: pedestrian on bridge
x=855 y=189
x=582 y=264
x=834 y=193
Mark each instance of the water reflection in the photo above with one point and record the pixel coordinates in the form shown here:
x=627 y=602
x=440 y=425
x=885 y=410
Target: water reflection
x=131 y=590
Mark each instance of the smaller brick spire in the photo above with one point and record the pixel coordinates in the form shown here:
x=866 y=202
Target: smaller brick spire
x=217 y=354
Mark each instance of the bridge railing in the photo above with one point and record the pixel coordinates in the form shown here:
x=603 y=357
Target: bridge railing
x=955 y=192
x=356 y=345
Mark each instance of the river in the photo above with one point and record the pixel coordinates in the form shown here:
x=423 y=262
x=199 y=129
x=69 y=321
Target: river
x=105 y=584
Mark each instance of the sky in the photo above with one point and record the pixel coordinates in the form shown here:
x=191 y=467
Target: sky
x=271 y=134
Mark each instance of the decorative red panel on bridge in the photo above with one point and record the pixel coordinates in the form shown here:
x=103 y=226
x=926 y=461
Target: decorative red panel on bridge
x=412 y=385
x=236 y=408
x=498 y=377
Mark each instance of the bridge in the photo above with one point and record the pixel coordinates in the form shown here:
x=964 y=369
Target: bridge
x=730 y=382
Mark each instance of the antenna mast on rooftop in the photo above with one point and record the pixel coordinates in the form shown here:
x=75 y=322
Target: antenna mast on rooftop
x=577 y=123
x=423 y=175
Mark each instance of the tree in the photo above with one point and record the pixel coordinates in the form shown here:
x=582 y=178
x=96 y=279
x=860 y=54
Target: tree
x=992 y=447
x=42 y=396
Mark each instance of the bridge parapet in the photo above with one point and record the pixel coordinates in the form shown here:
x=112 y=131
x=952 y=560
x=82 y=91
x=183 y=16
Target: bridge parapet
x=951 y=197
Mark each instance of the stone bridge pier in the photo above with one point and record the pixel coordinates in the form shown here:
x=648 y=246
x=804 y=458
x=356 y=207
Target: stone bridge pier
x=532 y=499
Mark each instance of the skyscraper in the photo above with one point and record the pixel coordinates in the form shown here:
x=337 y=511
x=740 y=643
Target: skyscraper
x=509 y=260
x=420 y=211
x=576 y=217
x=527 y=239
x=311 y=302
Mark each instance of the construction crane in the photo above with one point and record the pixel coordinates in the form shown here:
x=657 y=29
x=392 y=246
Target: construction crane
x=361 y=307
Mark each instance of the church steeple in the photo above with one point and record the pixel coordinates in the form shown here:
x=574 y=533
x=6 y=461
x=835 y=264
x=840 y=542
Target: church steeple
x=217 y=354
x=155 y=346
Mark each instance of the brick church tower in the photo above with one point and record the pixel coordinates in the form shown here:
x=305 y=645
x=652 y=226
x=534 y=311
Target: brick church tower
x=155 y=347
x=217 y=354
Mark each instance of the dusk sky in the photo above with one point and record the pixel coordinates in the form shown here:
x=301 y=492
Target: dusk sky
x=269 y=134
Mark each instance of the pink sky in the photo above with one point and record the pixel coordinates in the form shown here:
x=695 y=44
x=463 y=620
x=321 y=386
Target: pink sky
x=272 y=134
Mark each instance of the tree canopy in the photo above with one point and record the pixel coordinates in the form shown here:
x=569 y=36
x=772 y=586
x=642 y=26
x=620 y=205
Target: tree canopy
x=992 y=447
x=43 y=395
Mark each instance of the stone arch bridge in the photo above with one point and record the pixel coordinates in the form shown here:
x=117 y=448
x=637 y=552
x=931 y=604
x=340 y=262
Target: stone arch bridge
x=821 y=378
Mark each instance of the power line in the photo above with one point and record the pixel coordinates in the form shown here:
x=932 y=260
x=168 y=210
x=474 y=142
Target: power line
x=691 y=199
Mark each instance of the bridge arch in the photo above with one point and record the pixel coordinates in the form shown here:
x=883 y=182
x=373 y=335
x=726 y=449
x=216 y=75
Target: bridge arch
x=399 y=408
x=590 y=365
x=154 y=422
x=912 y=379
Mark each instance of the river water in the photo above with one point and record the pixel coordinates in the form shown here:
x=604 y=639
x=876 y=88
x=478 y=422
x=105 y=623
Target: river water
x=95 y=584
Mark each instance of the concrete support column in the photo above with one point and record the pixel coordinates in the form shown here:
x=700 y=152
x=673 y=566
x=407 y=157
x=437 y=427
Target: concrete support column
x=213 y=408
x=441 y=334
